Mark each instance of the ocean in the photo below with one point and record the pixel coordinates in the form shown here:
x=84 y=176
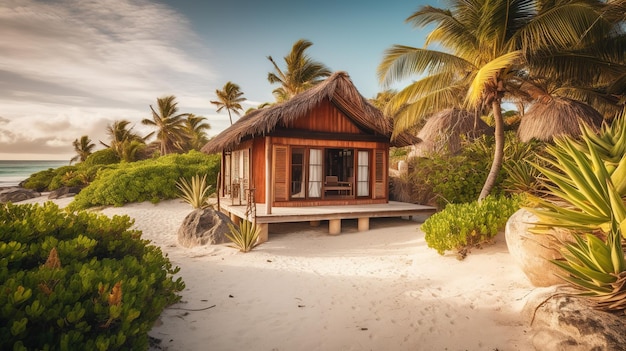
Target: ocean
x=13 y=172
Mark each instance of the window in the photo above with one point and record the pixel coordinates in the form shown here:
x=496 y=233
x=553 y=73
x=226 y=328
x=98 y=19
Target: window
x=315 y=173
x=297 y=173
x=363 y=171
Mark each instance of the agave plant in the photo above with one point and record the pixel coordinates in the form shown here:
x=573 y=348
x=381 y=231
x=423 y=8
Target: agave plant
x=578 y=175
x=597 y=268
x=195 y=192
x=245 y=237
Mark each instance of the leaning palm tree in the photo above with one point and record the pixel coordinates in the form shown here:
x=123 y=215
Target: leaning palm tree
x=301 y=73
x=196 y=128
x=488 y=45
x=83 y=147
x=229 y=98
x=170 y=125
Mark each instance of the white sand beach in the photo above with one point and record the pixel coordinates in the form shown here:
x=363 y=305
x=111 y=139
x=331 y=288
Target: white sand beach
x=383 y=289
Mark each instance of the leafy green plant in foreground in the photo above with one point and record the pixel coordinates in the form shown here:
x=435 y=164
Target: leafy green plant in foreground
x=245 y=237
x=462 y=226
x=78 y=281
x=583 y=176
x=194 y=192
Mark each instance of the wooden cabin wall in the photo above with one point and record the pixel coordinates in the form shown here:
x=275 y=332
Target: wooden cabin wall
x=257 y=168
x=326 y=118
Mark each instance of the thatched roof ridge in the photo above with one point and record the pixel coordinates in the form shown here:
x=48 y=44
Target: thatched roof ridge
x=338 y=89
x=560 y=116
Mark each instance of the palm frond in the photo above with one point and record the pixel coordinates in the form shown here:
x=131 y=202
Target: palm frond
x=403 y=62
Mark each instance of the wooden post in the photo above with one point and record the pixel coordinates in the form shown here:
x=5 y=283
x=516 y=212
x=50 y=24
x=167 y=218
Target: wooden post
x=334 y=226
x=363 y=224
x=268 y=176
x=263 y=232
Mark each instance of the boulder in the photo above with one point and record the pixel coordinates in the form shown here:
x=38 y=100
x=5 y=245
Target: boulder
x=17 y=194
x=561 y=322
x=204 y=227
x=63 y=192
x=533 y=252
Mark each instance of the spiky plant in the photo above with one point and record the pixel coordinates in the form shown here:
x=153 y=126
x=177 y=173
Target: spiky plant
x=597 y=268
x=578 y=175
x=245 y=237
x=194 y=192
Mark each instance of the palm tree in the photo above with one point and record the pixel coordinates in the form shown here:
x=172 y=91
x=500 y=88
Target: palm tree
x=120 y=136
x=196 y=128
x=301 y=74
x=489 y=47
x=230 y=98
x=170 y=125
x=83 y=147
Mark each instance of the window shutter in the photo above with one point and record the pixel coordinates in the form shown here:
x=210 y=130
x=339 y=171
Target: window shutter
x=379 y=175
x=281 y=178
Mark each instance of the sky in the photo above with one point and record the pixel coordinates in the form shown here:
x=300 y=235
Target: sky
x=71 y=67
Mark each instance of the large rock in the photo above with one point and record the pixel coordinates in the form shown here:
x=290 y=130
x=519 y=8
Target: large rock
x=63 y=192
x=533 y=252
x=565 y=323
x=17 y=194
x=204 y=227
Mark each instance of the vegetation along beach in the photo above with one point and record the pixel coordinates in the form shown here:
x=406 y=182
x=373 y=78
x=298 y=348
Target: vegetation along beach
x=457 y=186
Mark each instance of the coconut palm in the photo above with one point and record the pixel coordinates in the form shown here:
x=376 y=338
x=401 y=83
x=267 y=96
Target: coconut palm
x=83 y=147
x=229 y=98
x=170 y=125
x=301 y=73
x=120 y=136
x=489 y=48
x=196 y=128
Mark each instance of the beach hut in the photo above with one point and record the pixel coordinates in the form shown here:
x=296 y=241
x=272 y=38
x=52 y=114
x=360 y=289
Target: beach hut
x=325 y=146
x=558 y=116
x=445 y=130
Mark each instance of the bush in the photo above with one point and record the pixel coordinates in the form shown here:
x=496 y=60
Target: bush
x=102 y=158
x=148 y=180
x=78 y=281
x=462 y=226
x=39 y=181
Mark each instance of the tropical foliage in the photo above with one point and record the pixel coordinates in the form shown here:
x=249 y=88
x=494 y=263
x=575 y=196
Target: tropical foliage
x=78 y=281
x=301 y=73
x=587 y=176
x=83 y=148
x=245 y=237
x=196 y=129
x=149 y=180
x=169 y=124
x=460 y=227
x=194 y=192
x=229 y=98
x=123 y=140
x=493 y=50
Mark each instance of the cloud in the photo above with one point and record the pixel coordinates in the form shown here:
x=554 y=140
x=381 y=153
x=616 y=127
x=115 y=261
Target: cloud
x=69 y=65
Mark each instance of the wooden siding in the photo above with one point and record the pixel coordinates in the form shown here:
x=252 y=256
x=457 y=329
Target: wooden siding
x=326 y=118
x=257 y=169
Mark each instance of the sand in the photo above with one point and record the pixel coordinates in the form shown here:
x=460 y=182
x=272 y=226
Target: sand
x=383 y=289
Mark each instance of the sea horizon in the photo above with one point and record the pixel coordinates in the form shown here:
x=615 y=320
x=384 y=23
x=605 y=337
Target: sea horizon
x=13 y=172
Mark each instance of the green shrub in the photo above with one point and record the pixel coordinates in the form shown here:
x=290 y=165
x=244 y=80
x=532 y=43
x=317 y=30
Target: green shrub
x=462 y=226
x=149 y=180
x=102 y=157
x=450 y=178
x=40 y=181
x=78 y=281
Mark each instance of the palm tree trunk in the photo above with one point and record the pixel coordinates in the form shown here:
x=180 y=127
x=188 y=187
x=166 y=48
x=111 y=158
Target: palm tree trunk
x=498 y=155
x=229 y=117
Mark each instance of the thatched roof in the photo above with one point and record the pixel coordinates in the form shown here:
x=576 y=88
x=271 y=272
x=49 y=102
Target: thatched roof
x=560 y=116
x=444 y=131
x=338 y=89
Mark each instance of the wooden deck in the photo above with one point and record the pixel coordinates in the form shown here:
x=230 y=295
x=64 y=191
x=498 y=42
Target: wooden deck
x=316 y=214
